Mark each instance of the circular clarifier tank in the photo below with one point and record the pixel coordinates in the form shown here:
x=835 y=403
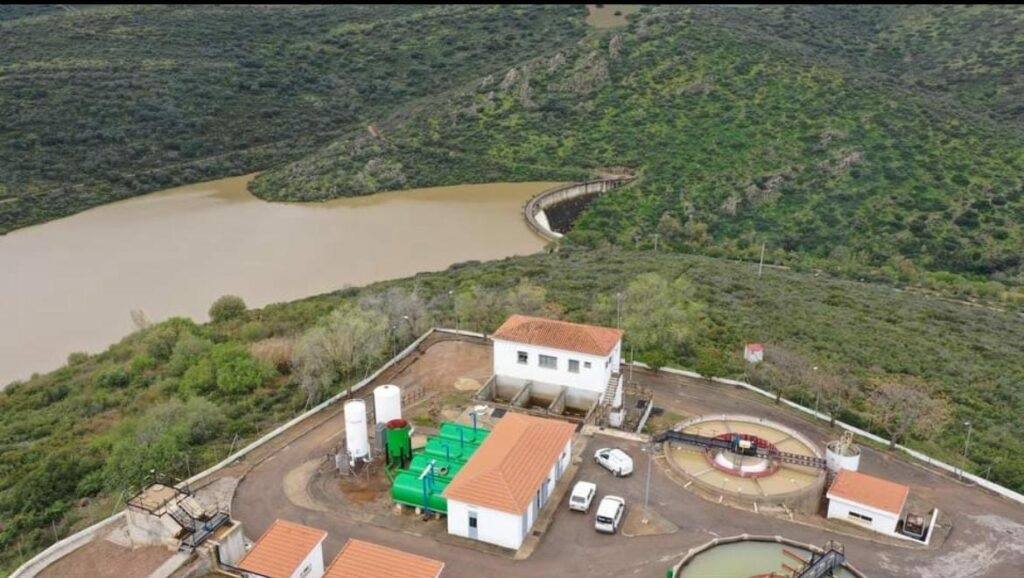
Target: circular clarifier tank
x=748 y=473
x=742 y=557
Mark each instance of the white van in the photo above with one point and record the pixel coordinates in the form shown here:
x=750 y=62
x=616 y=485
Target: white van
x=610 y=513
x=582 y=495
x=615 y=460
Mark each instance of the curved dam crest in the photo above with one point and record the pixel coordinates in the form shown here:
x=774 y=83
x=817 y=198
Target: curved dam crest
x=71 y=283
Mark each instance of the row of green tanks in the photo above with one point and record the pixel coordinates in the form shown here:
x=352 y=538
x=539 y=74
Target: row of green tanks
x=419 y=478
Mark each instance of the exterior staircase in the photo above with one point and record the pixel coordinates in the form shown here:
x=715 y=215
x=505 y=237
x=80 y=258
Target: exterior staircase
x=610 y=394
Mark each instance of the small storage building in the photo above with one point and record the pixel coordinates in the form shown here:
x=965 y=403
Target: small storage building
x=867 y=501
x=497 y=495
x=286 y=550
x=753 y=352
x=359 y=559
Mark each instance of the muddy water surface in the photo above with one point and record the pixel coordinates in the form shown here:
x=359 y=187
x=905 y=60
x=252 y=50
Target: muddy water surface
x=69 y=285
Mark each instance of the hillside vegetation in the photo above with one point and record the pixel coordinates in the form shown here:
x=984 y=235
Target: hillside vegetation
x=877 y=141
x=177 y=396
x=102 y=103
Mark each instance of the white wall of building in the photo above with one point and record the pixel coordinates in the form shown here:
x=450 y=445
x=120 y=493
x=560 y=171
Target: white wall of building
x=503 y=528
x=880 y=521
x=594 y=378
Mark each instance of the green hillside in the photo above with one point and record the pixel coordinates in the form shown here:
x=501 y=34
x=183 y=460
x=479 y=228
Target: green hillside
x=879 y=142
x=102 y=103
x=173 y=397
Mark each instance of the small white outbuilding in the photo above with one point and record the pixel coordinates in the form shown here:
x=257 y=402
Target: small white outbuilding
x=497 y=496
x=286 y=550
x=870 y=502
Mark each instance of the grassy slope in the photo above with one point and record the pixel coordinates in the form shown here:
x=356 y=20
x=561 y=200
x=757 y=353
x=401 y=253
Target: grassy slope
x=65 y=423
x=105 y=103
x=870 y=158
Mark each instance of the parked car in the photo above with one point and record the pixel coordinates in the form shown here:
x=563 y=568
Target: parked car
x=582 y=495
x=615 y=460
x=610 y=513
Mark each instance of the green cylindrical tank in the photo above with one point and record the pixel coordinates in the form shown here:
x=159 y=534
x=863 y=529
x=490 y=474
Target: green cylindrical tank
x=451 y=450
x=397 y=443
x=450 y=430
x=409 y=489
x=443 y=470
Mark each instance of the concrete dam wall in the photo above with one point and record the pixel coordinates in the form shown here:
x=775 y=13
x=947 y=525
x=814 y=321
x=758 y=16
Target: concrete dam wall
x=551 y=213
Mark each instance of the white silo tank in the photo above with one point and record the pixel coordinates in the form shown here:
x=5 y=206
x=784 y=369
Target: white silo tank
x=357 y=443
x=387 y=403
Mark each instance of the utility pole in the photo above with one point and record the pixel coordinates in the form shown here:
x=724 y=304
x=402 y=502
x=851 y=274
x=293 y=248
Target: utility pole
x=619 y=305
x=648 y=481
x=656 y=237
x=762 y=254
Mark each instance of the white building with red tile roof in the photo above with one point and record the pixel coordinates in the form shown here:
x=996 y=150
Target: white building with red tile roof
x=582 y=358
x=286 y=550
x=359 y=559
x=497 y=495
x=867 y=501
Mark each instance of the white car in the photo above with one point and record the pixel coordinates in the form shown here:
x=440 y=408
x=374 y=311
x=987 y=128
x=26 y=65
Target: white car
x=610 y=513
x=582 y=495
x=615 y=460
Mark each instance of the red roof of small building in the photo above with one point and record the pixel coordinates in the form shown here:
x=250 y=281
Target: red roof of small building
x=869 y=491
x=753 y=347
x=591 y=339
x=359 y=559
x=511 y=464
x=282 y=548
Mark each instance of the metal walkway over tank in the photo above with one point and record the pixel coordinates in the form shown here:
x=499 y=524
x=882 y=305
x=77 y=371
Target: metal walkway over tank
x=732 y=445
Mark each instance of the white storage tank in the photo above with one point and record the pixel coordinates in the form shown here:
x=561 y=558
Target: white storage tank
x=387 y=403
x=357 y=443
x=843 y=455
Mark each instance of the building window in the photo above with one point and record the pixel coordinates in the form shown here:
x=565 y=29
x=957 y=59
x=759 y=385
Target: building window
x=547 y=361
x=574 y=366
x=472 y=519
x=587 y=365
x=860 y=517
x=306 y=571
x=522 y=357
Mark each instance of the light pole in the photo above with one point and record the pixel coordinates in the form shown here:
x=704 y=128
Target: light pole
x=619 y=305
x=965 y=450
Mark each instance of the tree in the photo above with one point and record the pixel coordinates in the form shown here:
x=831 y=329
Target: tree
x=904 y=406
x=407 y=313
x=527 y=298
x=659 y=317
x=480 y=308
x=236 y=370
x=227 y=307
x=350 y=339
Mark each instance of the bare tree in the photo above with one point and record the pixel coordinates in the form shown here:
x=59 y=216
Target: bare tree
x=350 y=339
x=905 y=406
x=407 y=313
x=139 y=319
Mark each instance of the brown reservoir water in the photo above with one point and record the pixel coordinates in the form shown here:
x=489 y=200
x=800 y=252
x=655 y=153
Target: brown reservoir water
x=70 y=285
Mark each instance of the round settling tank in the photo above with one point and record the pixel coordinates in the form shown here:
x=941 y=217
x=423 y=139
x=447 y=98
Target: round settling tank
x=843 y=456
x=747 y=474
x=387 y=403
x=357 y=443
x=750 y=557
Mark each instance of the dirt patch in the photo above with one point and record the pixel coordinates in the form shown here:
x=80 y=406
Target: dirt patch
x=467 y=384
x=362 y=489
x=640 y=522
x=102 y=559
x=297 y=482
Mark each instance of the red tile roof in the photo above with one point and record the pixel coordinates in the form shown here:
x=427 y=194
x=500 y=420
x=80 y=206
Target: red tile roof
x=359 y=559
x=282 y=548
x=511 y=464
x=564 y=335
x=869 y=491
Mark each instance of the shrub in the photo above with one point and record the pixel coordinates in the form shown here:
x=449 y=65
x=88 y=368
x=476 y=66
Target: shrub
x=227 y=307
x=115 y=378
